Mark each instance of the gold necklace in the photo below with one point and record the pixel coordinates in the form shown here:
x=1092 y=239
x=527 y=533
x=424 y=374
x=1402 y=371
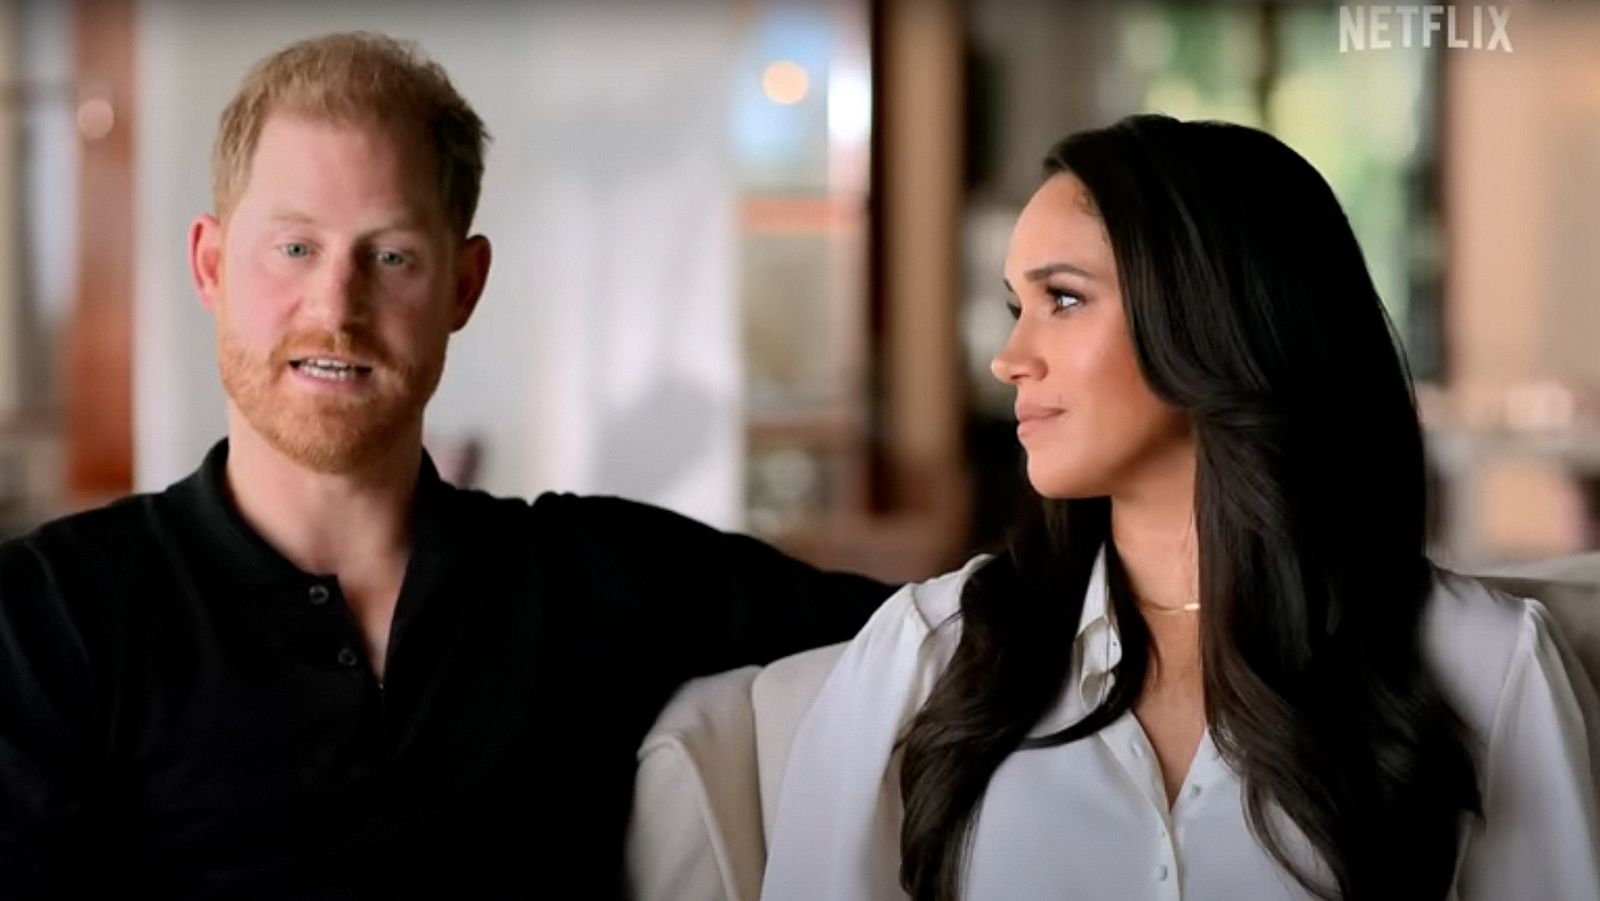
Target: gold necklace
x=1191 y=607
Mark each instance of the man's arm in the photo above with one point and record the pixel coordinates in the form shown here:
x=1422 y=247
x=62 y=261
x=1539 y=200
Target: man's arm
x=718 y=600
x=46 y=706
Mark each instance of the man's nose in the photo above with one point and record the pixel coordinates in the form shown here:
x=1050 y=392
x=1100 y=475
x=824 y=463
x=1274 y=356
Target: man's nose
x=338 y=295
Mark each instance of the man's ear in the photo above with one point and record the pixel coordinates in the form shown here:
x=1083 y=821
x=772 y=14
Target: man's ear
x=205 y=259
x=472 y=273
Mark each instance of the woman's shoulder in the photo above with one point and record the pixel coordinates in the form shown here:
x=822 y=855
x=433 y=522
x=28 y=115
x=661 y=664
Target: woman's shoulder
x=1471 y=610
x=917 y=627
x=927 y=606
x=937 y=601
x=839 y=770
x=1475 y=637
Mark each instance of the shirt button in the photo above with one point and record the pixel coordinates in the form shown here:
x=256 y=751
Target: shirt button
x=1194 y=791
x=347 y=656
x=318 y=595
x=1161 y=872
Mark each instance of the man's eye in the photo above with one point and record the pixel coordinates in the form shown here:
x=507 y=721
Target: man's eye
x=391 y=258
x=295 y=249
x=1014 y=308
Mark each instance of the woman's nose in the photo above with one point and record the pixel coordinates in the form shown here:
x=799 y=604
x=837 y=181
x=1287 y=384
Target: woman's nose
x=1015 y=362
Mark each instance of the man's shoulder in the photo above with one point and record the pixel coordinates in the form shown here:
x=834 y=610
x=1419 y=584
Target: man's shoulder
x=122 y=526
x=569 y=505
x=547 y=514
x=551 y=520
x=570 y=514
x=67 y=569
x=542 y=504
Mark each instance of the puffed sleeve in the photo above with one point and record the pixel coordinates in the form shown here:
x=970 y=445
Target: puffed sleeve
x=1540 y=836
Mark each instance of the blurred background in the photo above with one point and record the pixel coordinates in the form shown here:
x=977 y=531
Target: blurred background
x=748 y=252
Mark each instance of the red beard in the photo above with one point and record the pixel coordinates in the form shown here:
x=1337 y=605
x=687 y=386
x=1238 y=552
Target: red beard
x=328 y=433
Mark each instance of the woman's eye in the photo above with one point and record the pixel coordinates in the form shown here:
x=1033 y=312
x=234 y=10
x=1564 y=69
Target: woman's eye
x=391 y=258
x=1060 y=302
x=295 y=250
x=1064 y=300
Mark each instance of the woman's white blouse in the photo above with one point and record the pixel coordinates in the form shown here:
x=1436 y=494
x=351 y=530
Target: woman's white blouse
x=1089 y=821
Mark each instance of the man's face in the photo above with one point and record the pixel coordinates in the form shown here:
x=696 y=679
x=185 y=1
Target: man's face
x=336 y=282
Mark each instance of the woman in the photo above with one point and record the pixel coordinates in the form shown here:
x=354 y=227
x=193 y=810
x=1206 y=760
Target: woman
x=1218 y=665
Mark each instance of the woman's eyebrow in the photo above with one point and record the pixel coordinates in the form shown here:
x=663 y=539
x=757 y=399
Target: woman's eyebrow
x=1040 y=273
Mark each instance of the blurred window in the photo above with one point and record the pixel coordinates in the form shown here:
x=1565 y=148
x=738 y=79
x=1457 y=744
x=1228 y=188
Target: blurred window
x=1367 y=121
x=801 y=129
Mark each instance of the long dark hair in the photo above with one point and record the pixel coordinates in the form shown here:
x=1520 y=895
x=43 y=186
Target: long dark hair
x=1251 y=311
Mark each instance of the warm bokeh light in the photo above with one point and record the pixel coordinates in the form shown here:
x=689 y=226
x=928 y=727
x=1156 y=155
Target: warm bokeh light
x=96 y=118
x=785 y=82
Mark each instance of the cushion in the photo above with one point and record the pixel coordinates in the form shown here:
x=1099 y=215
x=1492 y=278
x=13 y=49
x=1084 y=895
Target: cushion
x=695 y=832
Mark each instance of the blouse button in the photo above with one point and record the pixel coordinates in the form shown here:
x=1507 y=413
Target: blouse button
x=1161 y=873
x=1194 y=791
x=318 y=595
x=347 y=656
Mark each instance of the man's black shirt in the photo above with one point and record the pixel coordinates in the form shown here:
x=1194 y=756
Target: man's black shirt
x=185 y=714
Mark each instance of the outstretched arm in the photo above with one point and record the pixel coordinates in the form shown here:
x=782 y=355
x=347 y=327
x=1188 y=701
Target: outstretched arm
x=714 y=600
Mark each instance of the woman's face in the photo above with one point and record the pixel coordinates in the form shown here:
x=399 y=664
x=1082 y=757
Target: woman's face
x=1089 y=424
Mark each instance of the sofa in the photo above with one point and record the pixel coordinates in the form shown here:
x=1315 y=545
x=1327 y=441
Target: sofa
x=710 y=768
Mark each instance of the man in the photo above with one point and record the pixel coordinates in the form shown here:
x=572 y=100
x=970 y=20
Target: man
x=312 y=668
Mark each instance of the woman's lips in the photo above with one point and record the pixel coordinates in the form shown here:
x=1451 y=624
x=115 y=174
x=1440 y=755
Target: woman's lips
x=1031 y=419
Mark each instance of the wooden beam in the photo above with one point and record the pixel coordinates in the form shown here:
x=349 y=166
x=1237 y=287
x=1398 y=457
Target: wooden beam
x=98 y=389
x=922 y=102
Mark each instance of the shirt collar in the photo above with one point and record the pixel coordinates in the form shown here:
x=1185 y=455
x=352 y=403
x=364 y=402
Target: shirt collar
x=204 y=501
x=1097 y=648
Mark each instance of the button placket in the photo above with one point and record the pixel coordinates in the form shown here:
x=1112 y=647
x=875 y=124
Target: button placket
x=1165 y=872
x=1127 y=743
x=1166 y=868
